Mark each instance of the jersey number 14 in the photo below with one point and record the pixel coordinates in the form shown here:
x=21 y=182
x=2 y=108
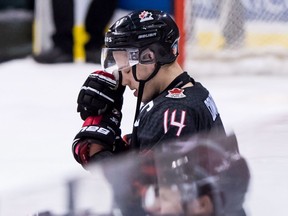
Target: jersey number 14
x=180 y=124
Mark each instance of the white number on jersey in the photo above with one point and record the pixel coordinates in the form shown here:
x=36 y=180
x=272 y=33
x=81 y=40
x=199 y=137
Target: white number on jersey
x=173 y=121
x=209 y=102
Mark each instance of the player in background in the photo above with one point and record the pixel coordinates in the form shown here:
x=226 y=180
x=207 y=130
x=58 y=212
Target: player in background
x=98 y=15
x=199 y=177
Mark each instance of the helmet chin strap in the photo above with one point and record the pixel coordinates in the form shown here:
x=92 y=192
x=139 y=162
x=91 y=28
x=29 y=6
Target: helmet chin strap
x=140 y=94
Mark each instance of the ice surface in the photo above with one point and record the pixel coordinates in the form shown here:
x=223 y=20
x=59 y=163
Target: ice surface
x=38 y=121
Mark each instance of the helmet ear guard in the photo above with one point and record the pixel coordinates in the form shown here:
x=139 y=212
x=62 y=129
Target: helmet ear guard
x=147 y=56
x=164 y=55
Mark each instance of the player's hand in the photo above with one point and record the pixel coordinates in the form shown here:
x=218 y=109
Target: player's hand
x=100 y=92
x=103 y=130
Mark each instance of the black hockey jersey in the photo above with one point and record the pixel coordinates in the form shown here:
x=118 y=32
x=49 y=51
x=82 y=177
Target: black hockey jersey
x=176 y=113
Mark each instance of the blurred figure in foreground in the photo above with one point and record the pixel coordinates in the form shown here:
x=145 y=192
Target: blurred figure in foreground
x=97 y=18
x=200 y=177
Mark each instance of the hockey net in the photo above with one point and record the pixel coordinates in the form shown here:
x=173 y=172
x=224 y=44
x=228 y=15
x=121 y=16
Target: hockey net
x=228 y=32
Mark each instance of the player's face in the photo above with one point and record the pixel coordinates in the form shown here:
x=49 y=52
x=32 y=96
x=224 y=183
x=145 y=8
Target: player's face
x=202 y=206
x=123 y=59
x=166 y=202
x=169 y=202
x=143 y=71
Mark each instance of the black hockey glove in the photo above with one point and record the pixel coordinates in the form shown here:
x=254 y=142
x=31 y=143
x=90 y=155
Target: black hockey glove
x=99 y=93
x=103 y=130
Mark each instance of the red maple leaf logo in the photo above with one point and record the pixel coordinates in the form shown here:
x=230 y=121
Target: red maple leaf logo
x=143 y=14
x=176 y=91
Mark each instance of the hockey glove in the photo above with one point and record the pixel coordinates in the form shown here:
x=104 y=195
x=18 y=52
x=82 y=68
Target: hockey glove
x=103 y=130
x=99 y=93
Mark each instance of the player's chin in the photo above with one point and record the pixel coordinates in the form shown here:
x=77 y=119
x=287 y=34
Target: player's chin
x=135 y=93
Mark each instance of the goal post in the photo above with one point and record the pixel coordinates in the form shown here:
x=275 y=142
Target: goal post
x=179 y=15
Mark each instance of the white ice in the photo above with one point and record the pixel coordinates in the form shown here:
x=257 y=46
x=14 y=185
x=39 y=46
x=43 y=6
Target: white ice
x=38 y=121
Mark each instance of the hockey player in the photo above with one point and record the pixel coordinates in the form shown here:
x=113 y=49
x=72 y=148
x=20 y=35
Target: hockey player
x=141 y=53
x=196 y=177
x=201 y=178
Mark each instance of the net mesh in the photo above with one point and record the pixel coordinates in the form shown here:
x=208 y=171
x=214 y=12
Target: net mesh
x=236 y=30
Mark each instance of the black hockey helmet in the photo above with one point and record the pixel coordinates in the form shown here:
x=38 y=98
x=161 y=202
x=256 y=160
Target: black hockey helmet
x=203 y=166
x=146 y=28
x=145 y=37
x=194 y=167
